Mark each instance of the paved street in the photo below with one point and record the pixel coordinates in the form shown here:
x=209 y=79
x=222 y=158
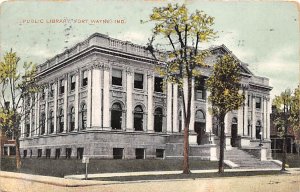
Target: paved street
x=275 y=183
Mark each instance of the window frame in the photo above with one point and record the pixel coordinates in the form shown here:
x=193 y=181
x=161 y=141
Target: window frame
x=116 y=81
x=138 y=84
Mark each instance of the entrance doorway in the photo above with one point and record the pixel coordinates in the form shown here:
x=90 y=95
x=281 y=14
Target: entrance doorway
x=234 y=134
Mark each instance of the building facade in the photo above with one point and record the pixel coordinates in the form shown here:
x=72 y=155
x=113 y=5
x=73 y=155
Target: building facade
x=103 y=98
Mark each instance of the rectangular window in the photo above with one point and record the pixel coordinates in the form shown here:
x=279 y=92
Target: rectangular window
x=138 y=81
x=116 y=77
x=84 y=79
x=43 y=94
x=73 y=82
x=200 y=89
x=57 y=153
x=39 y=153
x=258 y=103
x=158 y=84
x=24 y=153
x=51 y=90
x=160 y=153
x=68 y=153
x=118 y=153
x=27 y=129
x=62 y=86
x=140 y=153
x=48 y=153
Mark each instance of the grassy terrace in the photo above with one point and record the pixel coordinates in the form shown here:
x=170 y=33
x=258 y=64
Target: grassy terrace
x=190 y=176
x=62 y=167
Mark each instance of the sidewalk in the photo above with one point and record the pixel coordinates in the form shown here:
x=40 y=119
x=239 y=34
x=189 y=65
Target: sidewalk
x=77 y=180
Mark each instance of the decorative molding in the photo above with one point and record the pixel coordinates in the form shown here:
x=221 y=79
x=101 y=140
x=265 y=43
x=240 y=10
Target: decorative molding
x=129 y=71
x=106 y=67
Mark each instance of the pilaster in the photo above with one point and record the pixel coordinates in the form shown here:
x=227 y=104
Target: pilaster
x=66 y=104
x=150 y=122
x=106 y=96
x=96 y=96
x=129 y=88
x=175 y=108
x=208 y=115
x=55 y=105
x=246 y=114
x=253 y=127
x=76 y=102
x=169 y=107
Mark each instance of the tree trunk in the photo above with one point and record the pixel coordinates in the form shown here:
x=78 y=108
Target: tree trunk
x=284 y=147
x=222 y=144
x=187 y=115
x=186 y=166
x=18 y=155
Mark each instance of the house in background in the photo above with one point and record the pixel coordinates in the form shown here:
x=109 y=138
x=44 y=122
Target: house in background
x=293 y=137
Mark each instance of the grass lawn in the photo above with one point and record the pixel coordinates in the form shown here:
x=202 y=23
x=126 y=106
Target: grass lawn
x=62 y=167
x=293 y=160
x=190 y=176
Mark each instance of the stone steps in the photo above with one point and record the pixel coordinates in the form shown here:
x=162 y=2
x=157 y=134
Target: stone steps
x=246 y=160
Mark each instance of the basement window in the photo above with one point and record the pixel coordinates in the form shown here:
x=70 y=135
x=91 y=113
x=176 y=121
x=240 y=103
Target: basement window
x=48 y=153
x=160 y=153
x=68 y=153
x=140 y=153
x=118 y=153
x=39 y=153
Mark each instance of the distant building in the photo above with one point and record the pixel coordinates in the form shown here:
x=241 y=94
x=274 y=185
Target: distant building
x=7 y=143
x=104 y=99
x=277 y=137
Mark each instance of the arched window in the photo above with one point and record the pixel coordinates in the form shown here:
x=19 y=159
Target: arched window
x=42 y=123
x=158 y=119
x=72 y=118
x=138 y=118
x=83 y=116
x=51 y=121
x=61 y=120
x=258 y=130
x=199 y=126
x=234 y=120
x=234 y=132
x=116 y=116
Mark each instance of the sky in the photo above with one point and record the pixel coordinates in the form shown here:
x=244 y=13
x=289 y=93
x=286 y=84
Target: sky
x=265 y=35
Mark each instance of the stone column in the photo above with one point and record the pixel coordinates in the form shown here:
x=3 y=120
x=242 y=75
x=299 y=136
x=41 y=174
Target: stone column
x=66 y=109
x=129 y=89
x=253 y=127
x=208 y=116
x=268 y=118
x=264 y=119
x=106 y=97
x=227 y=124
x=175 y=108
x=169 y=107
x=55 y=105
x=89 y=99
x=46 y=110
x=30 y=117
x=240 y=121
x=192 y=120
x=96 y=97
x=246 y=114
x=37 y=114
x=150 y=123
x=76 y=102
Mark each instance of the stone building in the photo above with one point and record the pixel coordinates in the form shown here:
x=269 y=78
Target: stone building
x=103 y=98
